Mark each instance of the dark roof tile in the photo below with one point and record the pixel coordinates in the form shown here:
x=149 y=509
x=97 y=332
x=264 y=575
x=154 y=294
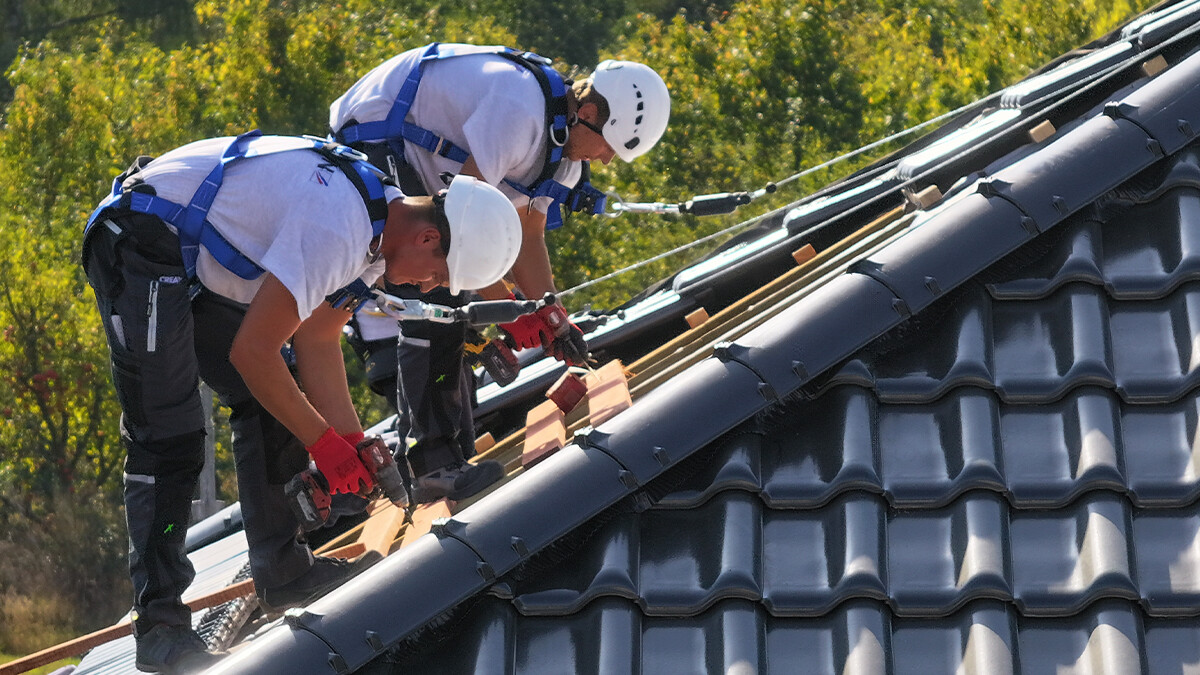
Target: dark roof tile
x=1108 y=639
x=1045 y=348
x=675 y=581
x=736 y=466
x=1172 y=646
x=1168 y=560
x=808 y=465
x=1155 y=355
x=1055 y=452
x=980 y=639
x=815 y=560
x=1064 y=560
x=933 y=453
x=939 y=560
x=1160 y=446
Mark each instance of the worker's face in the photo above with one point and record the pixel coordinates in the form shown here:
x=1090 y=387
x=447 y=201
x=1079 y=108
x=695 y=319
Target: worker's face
x=586 y=144
x=423 y=264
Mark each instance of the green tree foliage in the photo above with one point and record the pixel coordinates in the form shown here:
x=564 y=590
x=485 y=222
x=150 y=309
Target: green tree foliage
x=31 y=21
x=755 y=96
x=760 y=90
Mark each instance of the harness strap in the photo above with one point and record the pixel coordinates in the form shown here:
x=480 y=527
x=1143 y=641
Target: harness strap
x=191 y=221
x=553 y=88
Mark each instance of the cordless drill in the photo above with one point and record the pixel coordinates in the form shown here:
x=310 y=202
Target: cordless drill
x=308 y=491
x=556 y=318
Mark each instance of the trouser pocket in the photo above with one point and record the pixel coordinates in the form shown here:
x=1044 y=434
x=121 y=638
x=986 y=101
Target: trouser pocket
x=148 y=321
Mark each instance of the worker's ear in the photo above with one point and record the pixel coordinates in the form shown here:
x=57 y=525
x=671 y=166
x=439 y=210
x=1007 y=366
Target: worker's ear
x=588 y=112
x=429 y=237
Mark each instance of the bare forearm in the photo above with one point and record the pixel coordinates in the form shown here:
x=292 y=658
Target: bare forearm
x=267 y=377
x=532 y=270
x=323 y=374
x=270 y=320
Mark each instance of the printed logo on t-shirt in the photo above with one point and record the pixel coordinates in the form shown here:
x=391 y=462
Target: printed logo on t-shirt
x=322 y=174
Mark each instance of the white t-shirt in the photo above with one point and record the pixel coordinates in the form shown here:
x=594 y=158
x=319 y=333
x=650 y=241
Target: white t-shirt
x=292 y=213
x=485 y=104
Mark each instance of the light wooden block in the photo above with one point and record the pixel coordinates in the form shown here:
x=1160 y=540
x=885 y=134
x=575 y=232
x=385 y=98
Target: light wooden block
x=925 y=198
x=608 y=392
x=348 y=551
x=696 y=318
x=1154 y=66
x=381 y=530
x=545 y=433
x=1042 y=131
x=422 y=520
x=484 y=443
x=804 y=254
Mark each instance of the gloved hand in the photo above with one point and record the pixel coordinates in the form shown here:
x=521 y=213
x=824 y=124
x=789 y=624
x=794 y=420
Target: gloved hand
x=568 y=344
x=338 y=461
x=571 y=348
x=529 y=330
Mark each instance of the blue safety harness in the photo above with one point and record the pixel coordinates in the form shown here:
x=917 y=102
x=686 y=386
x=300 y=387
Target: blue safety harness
x=391 y=130
x=191 y=221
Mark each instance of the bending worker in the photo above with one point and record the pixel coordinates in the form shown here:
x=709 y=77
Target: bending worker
x=205 y=261
x=510 y=119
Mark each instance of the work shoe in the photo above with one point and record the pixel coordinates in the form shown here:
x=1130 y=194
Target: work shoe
x=175 y=650
x=457 y=481
x=325 y=575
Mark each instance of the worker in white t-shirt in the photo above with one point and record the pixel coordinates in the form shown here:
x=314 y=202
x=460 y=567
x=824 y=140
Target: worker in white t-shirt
x=508 y=118
x=205 y=262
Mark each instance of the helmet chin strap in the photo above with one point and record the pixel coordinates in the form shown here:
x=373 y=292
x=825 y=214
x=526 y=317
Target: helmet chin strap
x=593 y=127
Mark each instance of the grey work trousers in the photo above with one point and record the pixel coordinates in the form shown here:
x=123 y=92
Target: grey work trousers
x=434 y=386
x=161 y=343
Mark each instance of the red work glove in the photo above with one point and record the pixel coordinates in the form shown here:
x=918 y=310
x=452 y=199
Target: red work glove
x=338 y=461
x=529 y=330
x=353 y=438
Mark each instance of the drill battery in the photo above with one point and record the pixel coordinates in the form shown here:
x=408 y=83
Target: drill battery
x=496 y=357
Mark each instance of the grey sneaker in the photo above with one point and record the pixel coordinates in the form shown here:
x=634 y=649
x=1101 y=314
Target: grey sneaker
x=175 y=650
x=325 y=575
x=457 y=481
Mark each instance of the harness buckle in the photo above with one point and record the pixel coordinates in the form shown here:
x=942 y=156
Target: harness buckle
x=339 y=149
x=536 y=58
x=566 y=133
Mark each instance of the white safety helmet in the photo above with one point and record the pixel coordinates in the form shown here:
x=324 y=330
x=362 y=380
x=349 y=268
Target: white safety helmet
x=638 y=106
x=485 y=234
